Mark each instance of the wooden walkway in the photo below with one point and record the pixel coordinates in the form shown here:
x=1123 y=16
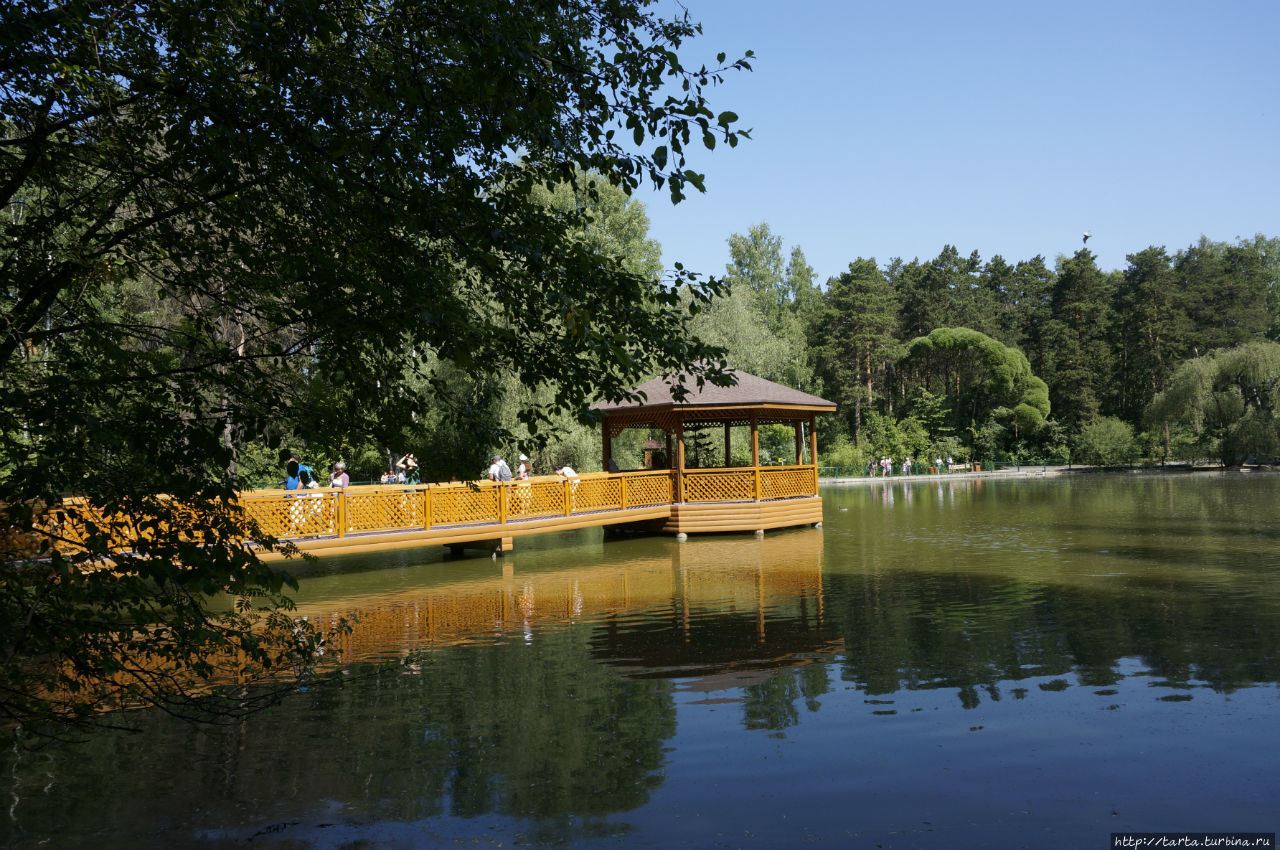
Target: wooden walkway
x=491 y=515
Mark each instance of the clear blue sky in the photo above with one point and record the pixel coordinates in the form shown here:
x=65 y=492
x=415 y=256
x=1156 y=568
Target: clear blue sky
x=890 y=129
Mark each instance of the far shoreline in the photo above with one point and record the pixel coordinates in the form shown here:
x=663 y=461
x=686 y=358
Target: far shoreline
x=1032 y=471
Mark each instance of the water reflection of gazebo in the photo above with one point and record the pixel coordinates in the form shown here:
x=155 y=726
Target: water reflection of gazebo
x=725 y=496
x=762 y=598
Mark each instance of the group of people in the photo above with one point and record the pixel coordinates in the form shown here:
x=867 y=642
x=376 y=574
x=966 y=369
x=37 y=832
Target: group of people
x=886 y=466
x=499 y=471
x=300 y=476
x=404 y=472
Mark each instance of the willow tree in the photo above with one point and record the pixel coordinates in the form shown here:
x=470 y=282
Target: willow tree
x=206 y=203
x=1229 y=402
x=981 y=378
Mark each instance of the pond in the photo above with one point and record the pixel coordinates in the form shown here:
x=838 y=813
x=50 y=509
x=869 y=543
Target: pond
x=979 y=662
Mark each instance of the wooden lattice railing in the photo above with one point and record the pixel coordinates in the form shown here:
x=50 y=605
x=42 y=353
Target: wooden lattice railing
x=720 y=485
x=326 y=512
x=788 y=482
x=748 y=484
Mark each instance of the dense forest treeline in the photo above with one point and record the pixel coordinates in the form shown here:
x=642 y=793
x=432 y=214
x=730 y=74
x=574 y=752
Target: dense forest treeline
x=1172 y=357
x=952 y=356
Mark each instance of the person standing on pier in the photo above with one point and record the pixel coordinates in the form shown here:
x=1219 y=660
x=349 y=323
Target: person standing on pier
x=498 y=470
x=297 y=474
x=339 y=476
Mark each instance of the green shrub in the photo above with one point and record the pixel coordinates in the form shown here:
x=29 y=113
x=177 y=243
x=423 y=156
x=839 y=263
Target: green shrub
x=1107 y=441
x=843 y=452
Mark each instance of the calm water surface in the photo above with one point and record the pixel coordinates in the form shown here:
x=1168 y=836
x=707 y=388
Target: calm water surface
x=949 y=663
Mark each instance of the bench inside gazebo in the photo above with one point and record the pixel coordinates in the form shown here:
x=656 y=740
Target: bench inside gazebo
x=724 y=496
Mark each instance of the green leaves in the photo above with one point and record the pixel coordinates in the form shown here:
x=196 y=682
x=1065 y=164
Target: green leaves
x=1229 y=400
x=240 y=221
x=1008 y=383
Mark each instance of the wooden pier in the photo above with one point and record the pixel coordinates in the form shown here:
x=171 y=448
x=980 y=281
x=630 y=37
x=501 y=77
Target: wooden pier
x=675 y=499
x=490 y=515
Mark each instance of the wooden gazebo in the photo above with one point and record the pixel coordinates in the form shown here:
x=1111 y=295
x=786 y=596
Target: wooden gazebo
x=727 y=497
x=673 y=493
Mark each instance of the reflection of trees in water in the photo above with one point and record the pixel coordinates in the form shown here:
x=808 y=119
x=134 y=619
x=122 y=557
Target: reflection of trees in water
x=936 y=631
x=544 y=733
x=773 y=703
x=538 y=732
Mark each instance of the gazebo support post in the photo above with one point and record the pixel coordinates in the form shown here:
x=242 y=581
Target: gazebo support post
x=755 y=457
x=813 y=450
x=679 y=488
x=755 y=442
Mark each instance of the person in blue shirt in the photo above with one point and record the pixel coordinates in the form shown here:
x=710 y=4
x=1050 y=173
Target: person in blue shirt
x=297 y=474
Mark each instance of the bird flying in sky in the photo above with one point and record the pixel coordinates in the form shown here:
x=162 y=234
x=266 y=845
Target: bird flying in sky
x=1087 y=234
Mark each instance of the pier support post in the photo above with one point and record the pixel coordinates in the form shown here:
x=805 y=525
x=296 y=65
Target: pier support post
x=492 y=545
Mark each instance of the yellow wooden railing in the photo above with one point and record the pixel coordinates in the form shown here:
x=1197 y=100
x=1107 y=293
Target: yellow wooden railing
x=329 y=512
x=749 y=484
x=401 y=507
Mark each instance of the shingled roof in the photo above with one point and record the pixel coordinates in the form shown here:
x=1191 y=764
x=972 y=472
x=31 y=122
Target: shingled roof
x=749 y=391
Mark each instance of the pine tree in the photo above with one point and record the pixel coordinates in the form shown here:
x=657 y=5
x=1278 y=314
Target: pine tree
x=854 y=338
